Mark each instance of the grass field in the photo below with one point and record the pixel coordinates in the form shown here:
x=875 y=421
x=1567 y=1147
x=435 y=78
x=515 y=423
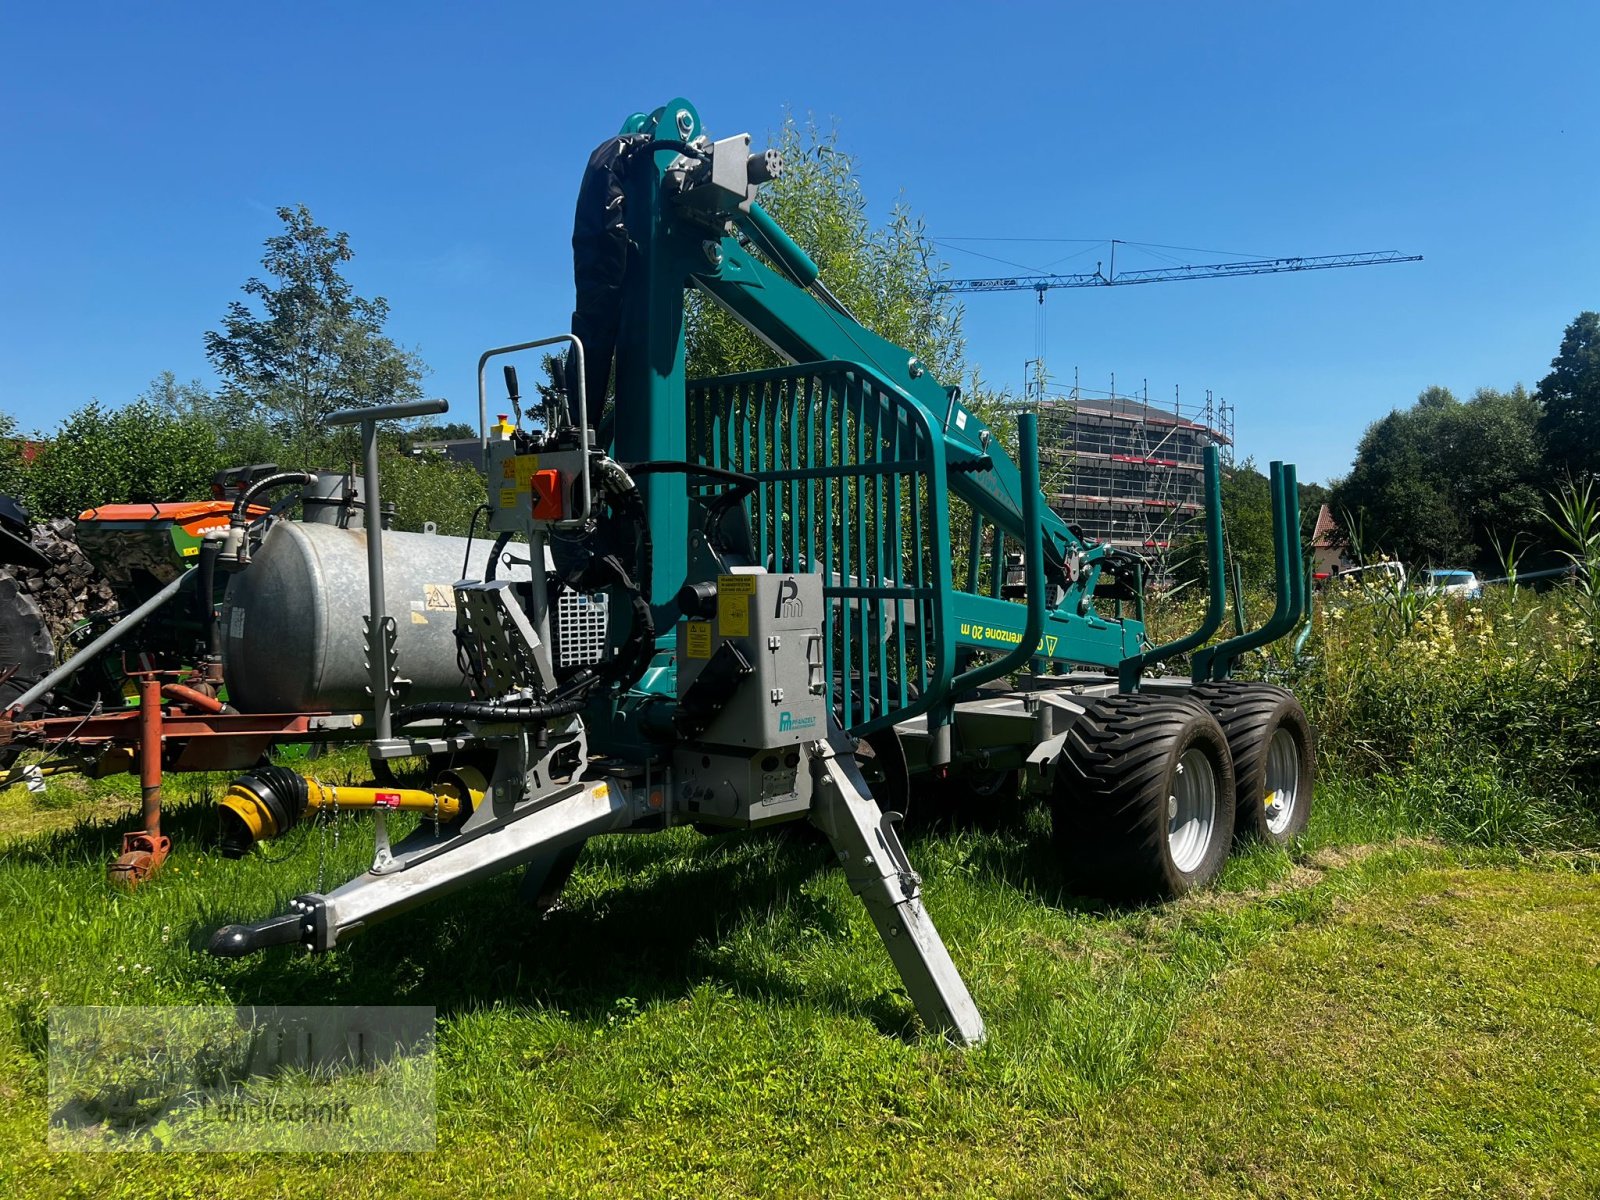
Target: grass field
x=1386 y=1011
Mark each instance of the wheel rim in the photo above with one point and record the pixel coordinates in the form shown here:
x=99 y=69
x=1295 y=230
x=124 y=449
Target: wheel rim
x=1283 y=780
x=1191 y=811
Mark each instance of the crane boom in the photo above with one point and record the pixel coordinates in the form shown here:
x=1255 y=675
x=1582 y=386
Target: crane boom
x=1098 y=278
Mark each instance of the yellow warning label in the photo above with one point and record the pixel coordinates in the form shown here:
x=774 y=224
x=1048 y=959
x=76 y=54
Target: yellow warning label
x=733 y=604
x=698 y=639
x=525 y=466
x=439 y=595
x=1050 y=641
x=508 y=497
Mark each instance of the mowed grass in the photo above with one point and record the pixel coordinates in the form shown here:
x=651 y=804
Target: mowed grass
x=1377 y=1013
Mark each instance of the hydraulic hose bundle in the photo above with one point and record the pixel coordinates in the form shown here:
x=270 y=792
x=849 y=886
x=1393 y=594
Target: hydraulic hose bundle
x=623 y=568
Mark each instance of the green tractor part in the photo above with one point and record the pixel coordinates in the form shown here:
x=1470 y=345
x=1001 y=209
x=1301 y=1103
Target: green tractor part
x=790 y=633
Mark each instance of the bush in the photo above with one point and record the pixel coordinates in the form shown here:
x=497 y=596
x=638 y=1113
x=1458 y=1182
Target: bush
x=431 y=488
x=108 y=456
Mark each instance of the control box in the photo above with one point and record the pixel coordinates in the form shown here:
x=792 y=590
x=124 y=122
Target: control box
x=529 y=489
x=751 y=690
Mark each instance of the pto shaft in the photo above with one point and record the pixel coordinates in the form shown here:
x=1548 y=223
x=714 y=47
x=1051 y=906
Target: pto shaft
x=270 y=801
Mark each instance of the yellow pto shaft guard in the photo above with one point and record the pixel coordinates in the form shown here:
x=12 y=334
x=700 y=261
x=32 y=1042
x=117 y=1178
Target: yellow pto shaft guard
x=270 y=801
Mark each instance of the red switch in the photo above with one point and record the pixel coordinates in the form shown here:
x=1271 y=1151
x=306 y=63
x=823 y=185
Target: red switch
x=545 y=487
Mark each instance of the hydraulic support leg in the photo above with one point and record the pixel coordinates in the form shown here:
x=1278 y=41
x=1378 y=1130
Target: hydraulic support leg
x=875 y=863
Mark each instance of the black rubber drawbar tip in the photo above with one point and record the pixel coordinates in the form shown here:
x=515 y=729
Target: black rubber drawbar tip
x=235 y=941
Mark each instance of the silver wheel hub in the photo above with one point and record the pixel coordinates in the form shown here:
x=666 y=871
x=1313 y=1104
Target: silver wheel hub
x=1192 y=811
x=1283 y=781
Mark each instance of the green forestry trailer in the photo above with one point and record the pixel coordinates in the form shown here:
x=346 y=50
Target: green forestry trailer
x=785 y=630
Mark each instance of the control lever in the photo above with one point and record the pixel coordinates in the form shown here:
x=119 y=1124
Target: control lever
x=513 y=393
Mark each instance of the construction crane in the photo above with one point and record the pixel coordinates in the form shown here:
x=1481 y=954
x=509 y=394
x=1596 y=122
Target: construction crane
x=1109 y=278
x=1055 y=435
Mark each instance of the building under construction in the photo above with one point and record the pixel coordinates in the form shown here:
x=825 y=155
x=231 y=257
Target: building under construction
x=1125 y=470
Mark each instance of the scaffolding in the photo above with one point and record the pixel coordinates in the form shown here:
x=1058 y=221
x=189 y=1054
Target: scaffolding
x=1124 y=470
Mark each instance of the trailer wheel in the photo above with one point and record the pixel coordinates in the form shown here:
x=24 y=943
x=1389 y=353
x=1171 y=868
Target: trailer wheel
x=1274 y=759
x=1143 y=798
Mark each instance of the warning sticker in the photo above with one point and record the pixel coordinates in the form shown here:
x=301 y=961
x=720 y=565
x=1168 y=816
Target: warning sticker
x=508 y=497
x=439 y=595
x=734 y=593
x=525 y=466
x=698 y=639
x=385 y=799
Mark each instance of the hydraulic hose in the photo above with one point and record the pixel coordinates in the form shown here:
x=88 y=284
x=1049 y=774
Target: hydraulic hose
x=205 y=597
x=239 y=520
x=483 y=710
x=493 y=566
x=632 y=658
x=241 y=506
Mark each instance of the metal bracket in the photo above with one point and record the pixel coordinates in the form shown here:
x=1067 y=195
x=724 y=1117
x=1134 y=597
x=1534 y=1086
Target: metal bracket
x=506 y=653
x=387 y=635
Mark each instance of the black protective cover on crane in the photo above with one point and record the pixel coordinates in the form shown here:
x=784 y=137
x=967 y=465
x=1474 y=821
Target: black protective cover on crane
x=600 y=253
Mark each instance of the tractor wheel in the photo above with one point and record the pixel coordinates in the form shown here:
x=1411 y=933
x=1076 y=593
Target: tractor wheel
x=1273 y=756
x=26 y=652
x=1143 y=798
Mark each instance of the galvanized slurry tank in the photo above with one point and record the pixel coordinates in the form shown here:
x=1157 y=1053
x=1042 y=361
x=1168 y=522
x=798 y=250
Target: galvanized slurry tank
x=292 y=621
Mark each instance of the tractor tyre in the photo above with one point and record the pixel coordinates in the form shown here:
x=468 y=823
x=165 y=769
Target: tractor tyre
x=1274 y=756
x=26 y=651
x=1143 y=799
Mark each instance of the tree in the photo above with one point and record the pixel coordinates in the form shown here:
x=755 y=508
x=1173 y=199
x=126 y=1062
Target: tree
x=243 y=435
x=431 y=488
x=180 y=399
x=108 y=456
x=315 y=347
x=10 y=457
x=1571 y=398
x=883 y=274
x=1437 y=483
x=434 y=431
x=1247 y=524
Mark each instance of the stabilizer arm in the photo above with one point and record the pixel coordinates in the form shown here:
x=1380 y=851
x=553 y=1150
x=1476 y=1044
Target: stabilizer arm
x=875 y=863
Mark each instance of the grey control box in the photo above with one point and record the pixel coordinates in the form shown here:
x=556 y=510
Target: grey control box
x=755 y=669
x=751 y=691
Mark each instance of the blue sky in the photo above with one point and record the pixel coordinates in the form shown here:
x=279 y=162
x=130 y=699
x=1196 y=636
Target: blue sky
x=145 y=147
